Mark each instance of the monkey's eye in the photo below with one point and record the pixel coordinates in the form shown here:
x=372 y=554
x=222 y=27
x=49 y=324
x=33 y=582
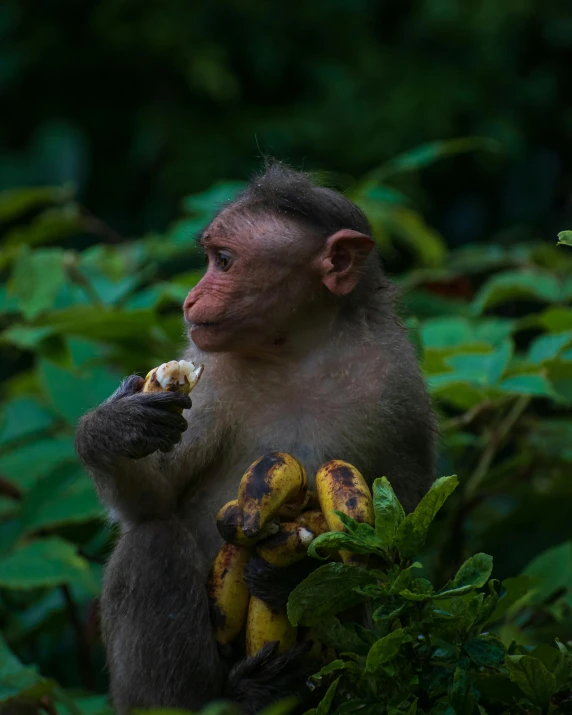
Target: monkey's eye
x=223 y=260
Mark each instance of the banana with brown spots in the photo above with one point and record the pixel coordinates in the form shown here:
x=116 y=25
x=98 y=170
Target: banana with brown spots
x=228 y=592
x=340 y=486
x=268 y=485
x=264 y=625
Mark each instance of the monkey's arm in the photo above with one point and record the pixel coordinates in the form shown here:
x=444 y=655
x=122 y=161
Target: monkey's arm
x=122 y=444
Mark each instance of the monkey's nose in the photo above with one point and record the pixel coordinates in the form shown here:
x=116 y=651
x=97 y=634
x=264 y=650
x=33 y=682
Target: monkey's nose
x=190 y=300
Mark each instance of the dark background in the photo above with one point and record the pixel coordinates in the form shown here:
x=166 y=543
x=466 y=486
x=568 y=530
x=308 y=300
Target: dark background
x=140 y=103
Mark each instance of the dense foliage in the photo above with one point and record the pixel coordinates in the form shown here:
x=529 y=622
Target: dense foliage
x=81 y=307
x=427 y=650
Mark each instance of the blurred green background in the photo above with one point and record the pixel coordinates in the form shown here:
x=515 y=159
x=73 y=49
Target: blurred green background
x=124 y=124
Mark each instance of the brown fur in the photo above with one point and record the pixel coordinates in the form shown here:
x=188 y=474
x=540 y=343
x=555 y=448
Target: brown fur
x=297 y=363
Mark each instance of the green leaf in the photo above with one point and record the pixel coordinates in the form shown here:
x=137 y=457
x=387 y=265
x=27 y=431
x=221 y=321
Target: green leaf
x=388 y=512
x=514 y=285
x=96 y=323
x=533 y=384
x=442 y=708
x=282 y=707
x=15 y=202
x=358 y=530
x=460 y=693
x=66 y=496
x=17 y=680
x=412 y=532
x=485 y=650
x=552 y=570
x=385 y=649
x=326 y=702
x=455 y=332
x=21 y=417
x=404 y=579
x=548 y=347
x=36 y=278
x=327 y=591
x=44 y=563
x=52 y=225
x=8 y=507
x=481 y=369
x=340 y=636
x=388 y=612
x=474 y=573
x=25 y=337
x=74 y=392
x=335 y=540
x=532 y=678
x=565 y=238
x=332 y=667
x=515 y=588
x=24 y=465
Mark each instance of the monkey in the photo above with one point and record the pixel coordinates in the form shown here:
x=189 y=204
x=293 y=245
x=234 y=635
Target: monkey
x=296 y=325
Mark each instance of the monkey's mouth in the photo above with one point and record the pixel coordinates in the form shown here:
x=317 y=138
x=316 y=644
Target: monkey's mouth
x=194 y=326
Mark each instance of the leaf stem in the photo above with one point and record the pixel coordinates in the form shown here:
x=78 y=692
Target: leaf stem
x=497 y=438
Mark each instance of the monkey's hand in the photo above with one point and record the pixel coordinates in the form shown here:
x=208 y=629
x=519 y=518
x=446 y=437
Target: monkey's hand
x=131 y=424
x=262 y=679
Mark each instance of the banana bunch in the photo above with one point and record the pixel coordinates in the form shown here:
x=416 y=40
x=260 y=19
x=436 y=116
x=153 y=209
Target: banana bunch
x=276 y=516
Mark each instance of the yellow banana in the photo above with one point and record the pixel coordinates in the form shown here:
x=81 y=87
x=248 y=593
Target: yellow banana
x=228 y=592
x=263 y=625
x=267 y=485
x=313 y=520
x=173 y=376
x=286 y=547
x=229 y=524
x=340 y=486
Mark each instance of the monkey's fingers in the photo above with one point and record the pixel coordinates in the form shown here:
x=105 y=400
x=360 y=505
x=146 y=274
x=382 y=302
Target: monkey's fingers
x=165 y=401
x=159 y=419
x=130 y=386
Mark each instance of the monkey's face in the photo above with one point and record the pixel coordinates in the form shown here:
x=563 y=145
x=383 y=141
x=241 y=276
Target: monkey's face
x=256 y=287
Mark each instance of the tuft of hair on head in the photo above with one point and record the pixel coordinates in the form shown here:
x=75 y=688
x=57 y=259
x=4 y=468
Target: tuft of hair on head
x=287 y=193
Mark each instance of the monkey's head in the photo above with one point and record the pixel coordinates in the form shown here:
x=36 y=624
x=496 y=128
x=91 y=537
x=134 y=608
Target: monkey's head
x=286 y=254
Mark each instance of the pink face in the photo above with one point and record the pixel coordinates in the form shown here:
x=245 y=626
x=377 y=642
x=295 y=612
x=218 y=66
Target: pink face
x=253 y=285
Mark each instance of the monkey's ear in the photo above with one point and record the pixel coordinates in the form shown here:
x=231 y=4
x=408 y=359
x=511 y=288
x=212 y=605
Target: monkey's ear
x=342 y=260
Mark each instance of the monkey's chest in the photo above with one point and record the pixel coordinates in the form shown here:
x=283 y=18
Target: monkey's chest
x=312 y=438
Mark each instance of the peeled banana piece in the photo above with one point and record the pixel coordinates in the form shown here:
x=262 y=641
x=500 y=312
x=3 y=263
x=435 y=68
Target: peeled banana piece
x=263 y=625
x=230 y=526
x=286 y=547
x=228 y=592
x=341 y=486
x=273 y=481
x=173 y=376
